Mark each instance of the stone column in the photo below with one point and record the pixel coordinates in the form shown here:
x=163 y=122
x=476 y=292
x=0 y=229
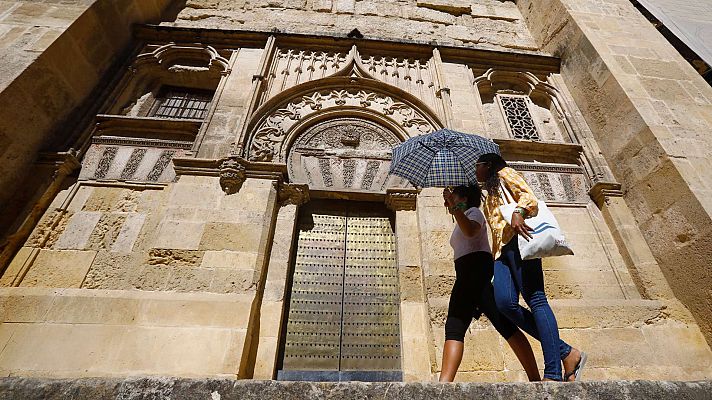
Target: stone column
x=272 y=309
x=415 y=340
x=640 y=261
x=650 y=112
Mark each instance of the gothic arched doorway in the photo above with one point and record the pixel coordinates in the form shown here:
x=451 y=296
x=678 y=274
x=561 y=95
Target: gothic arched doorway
x=343 y=319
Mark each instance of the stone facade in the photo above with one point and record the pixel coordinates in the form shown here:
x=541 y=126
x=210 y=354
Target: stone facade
x=163 y=232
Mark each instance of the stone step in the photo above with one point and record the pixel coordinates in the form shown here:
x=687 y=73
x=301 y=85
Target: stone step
x=156 y=388
x=594 y=313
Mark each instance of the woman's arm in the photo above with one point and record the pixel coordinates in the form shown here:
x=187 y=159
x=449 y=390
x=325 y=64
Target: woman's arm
x=520 y=190
x=527 y=203
x=469 y=227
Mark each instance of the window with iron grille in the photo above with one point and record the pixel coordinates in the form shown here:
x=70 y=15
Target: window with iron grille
x=182 y=103
x=518 y=116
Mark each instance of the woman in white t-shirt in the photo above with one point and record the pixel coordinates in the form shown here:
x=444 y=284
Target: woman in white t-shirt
x=472 y=294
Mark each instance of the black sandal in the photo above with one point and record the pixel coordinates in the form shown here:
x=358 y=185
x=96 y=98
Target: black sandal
x=577 y=372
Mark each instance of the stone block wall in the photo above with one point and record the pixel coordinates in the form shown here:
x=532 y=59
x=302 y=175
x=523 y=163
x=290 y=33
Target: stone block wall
x=74 y=332
x=191 y=238
x=53 y=56
x=651 y=113
x=173 y=273
x=483 y=23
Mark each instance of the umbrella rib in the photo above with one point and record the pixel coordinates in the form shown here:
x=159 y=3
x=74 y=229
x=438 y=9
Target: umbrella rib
x=429 y=148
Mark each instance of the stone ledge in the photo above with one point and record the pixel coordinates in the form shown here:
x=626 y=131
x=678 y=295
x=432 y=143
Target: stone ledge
x=226 y=389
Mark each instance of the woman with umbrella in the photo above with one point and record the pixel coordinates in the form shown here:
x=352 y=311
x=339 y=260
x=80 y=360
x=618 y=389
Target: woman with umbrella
x=514 y=276
x=444 y=159
x=472 y=294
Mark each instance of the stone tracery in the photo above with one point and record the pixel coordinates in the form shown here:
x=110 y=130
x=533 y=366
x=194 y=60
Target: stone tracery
x=269 y=137
x=344 y=153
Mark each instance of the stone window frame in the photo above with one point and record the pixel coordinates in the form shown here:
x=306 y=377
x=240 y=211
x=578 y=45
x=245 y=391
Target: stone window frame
x=511 y=128
x=195 y=68
x=540 y=92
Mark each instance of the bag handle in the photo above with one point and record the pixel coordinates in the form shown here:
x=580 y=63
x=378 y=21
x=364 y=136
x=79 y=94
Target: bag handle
x=506 y=195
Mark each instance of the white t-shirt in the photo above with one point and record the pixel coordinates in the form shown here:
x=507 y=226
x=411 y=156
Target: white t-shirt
x=464 y=245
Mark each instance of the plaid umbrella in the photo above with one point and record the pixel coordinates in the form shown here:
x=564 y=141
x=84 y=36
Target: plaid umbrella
x=442 y=158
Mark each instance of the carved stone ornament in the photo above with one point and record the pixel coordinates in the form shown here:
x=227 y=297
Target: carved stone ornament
x=344 y=154
x=266 y=143
x=402 y=199
x=293 y=194
x=180 y=58
x=603 y=190
x=64 y=163
x=232 y=175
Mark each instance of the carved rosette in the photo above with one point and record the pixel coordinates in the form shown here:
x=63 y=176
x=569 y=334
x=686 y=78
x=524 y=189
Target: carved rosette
x=232 y=175
x=267 y=141
x=293 y=194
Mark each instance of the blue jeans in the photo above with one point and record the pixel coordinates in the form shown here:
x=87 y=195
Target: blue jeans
x=513 y=276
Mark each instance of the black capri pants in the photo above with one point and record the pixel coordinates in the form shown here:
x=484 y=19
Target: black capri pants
x=473 y=295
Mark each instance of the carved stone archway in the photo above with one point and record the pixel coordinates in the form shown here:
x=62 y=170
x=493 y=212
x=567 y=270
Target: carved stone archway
x=276 y=129
x=344 y=154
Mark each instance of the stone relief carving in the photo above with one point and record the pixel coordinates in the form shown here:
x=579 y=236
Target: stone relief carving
x=232 y=175
x=344 y=154
x=402 y=199
x=560 y=183
x=131 y=159
x=292 y=67
x=347 y=133
x=133 y=163
x=269 y=136
x=105 y=161
x=179 y=58
x=293 y=194
x=163 y=160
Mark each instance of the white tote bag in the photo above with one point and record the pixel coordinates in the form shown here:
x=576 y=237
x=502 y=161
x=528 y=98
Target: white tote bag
x=547 y=239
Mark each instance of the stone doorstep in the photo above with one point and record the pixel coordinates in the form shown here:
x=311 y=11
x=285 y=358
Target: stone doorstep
x=228 y=389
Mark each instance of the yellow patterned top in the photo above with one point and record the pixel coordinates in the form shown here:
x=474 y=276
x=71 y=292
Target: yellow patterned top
x=502 y=233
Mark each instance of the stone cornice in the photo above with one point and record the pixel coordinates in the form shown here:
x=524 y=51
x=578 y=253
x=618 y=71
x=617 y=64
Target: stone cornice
x=543 y=151
x=548 y=167
x=211 y=167
x=147 y=127
x=141 y=142
x=536 y=62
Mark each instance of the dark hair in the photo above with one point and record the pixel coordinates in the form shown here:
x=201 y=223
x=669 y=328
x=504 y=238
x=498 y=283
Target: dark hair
x=472 y=193
x=495 y=163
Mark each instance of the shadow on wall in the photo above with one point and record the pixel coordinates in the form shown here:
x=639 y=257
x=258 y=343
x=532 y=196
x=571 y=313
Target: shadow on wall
x=51 y=92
